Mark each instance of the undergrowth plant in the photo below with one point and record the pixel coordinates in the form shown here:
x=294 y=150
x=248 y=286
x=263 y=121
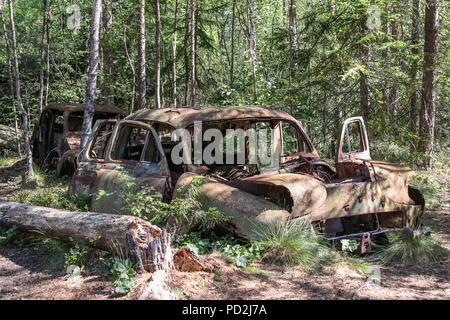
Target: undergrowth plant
x=183 y=213
x=7 y=234
x=122 y=272
x=292 y=243
x=81 y=252
x=421 y=250
x=51 y=191
x=241 y=251
x=77 y=255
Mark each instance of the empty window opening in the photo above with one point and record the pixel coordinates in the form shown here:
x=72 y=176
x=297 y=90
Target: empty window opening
x=130 y=143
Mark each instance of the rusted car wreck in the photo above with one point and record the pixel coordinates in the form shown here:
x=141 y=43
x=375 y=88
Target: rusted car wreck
x=358 y=197
x=56 y=138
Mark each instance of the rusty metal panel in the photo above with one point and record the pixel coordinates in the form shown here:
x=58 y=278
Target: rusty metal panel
x=76 y=107
x=247 y=210
x=306 y=193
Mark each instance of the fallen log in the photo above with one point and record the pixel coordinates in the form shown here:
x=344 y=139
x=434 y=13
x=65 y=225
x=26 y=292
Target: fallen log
x=147 y=245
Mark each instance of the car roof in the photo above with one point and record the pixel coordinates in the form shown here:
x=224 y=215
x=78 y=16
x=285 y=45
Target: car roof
x=184 y=117
x=76 y=107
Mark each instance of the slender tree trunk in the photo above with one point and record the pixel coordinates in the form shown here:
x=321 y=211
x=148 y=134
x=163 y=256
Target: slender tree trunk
x=397 y=34
x=92 y=72
x=47 y=68
x=10 y=79
x=251 y=35
x=157 y=56
x=293 y=38
x=141 y=53
x=186 y=55
x=387 y=90
x=25 y=128
x=174 y=57
x=133 y=91
x=41 y=77
x=428 y=105
x=233 y=26
x=414 y=112
x=364 y=95
x=193 y=100
x=107 y=92
x=363 y=86
x=338 y=114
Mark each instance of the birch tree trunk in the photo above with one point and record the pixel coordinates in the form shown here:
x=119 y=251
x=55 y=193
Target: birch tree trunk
x=142 y=100
x=233 y=25
x=193 y=101
x=293 y=38
x=157 y=56
x=25 y=128
x=133 y=90
x=47 y=69
x=428 y=105
x=41 y=76
x=252 y=44
x=92 y=72
x=108 y=60
x=174 y=57
x=186 y=57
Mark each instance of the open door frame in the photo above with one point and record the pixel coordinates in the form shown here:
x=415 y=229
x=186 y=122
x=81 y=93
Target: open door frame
x=364 y=142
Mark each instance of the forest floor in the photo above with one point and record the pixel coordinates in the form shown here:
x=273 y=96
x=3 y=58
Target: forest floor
x=31 y=274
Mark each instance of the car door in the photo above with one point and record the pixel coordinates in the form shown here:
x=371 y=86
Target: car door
x=353 y=154
x=91 y=160
x=134 y=151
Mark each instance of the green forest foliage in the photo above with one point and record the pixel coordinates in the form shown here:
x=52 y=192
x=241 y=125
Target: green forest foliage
x=318 y=82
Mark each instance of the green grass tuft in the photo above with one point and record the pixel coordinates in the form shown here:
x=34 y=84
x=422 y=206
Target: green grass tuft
x=293 y=244
x=421 y=250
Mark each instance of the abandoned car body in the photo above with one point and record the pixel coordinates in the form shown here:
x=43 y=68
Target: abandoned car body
x=56 y=139
x=360 y=197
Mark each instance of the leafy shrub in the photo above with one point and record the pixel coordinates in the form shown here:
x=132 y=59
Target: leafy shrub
x=349 y=245
x=77 y=255
x=292 y=243
x=243 y=255
x=195 y=242
x=242 y=252
x=80 y=253
x=420 y=250
x=148 y=204
x=6 y=235
x=122 y=271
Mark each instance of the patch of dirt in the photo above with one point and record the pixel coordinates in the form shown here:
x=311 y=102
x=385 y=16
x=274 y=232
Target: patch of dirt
x=341 y=281
x=27 y=275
